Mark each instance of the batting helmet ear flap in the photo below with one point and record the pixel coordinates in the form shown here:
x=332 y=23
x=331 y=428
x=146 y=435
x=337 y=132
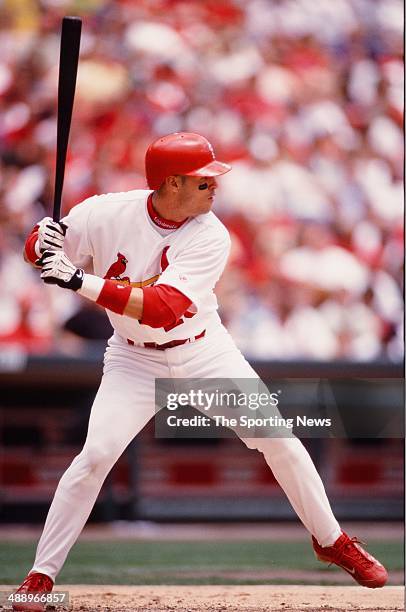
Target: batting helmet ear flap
x=181 y=153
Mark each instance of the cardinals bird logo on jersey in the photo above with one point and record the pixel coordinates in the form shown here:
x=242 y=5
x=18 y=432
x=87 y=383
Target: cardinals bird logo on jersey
x=117 y=268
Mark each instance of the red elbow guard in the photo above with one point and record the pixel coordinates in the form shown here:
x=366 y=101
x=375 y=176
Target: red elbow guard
x=163 y=306
x=114 y=297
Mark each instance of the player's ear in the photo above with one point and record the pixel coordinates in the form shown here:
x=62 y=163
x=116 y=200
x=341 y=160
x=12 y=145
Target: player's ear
x=174 y=183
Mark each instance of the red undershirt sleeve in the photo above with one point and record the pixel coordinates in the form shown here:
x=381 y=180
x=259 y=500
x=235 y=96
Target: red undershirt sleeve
x=29 y=248
x=163 y=305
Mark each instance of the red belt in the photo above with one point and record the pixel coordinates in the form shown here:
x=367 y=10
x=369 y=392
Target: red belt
x=167 y=345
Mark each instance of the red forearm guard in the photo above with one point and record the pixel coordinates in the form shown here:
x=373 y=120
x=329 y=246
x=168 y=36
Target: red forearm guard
x=114 y=297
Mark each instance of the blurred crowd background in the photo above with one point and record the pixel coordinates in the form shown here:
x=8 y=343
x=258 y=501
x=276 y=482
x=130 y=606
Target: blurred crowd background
x=303 y=98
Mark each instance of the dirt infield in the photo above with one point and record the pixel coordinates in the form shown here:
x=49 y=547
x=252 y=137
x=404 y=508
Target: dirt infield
x=233 y=598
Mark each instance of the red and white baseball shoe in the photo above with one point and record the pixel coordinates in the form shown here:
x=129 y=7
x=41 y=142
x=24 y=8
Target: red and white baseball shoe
x=347 y=553
x=34 y=584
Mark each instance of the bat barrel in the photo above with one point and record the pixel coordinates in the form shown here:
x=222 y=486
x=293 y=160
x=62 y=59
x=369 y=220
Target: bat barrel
x=68 y=66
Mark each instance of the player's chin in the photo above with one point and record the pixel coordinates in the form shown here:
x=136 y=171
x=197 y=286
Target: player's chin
x=207 y=206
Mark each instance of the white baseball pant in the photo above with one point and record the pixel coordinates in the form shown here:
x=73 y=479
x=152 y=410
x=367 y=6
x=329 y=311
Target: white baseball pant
x=125 y=402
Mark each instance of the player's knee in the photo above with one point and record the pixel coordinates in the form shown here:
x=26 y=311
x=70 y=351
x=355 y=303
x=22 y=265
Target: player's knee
x=98 y=458
x=278 y=448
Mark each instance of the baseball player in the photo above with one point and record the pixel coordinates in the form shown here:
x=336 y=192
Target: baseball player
x=151 y=258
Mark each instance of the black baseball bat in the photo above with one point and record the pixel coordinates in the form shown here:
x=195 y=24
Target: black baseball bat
x=68 y=68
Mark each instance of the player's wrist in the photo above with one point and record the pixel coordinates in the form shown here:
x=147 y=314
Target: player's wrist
x=91 y=287
x=76 y=281
x=105 y=293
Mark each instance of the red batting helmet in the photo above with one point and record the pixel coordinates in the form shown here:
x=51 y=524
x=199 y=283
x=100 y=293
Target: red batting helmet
x=182 y=153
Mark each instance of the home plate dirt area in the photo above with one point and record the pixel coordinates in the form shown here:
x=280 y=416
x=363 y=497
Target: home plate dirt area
x=257 y=598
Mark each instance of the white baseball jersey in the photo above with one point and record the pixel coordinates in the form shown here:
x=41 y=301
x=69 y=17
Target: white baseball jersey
x=113 y=236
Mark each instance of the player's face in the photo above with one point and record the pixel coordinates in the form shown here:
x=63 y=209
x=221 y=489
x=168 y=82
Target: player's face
x=197 y=194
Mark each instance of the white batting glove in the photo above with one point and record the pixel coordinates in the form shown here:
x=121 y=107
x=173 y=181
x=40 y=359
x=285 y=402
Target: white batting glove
x=51 y=235
x=57 y=269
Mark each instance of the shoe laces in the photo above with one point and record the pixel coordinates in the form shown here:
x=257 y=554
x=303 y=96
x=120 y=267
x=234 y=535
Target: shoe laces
x=357 y=553
x=38 y=582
